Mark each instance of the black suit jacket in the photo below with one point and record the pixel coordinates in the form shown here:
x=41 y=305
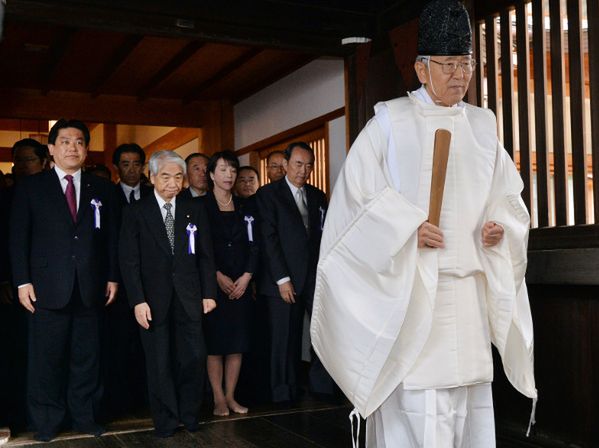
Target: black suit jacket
x=288 y=249
x=186 y=194
x=151 y=272
x=50 y=251
x=5 y=200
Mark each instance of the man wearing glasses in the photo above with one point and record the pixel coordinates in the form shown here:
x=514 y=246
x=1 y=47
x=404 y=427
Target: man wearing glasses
x=275 y=166
x=405 y=311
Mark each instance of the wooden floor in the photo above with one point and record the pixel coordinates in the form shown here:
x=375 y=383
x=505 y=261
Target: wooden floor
x=312 y=423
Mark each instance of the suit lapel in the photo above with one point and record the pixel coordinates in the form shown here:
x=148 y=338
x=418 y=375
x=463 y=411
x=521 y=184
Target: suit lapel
x=85 y=197
x=288 y=197
x=182 y=218
x=153 y=215
x=59 y=198
x=313 y=211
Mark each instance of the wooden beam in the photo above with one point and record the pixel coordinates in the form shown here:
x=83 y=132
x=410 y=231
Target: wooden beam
x=593 y=35
x=480 y=70
x=30 y=104
x=557 y=102
x=218 y=133
x=172 y=140
x=169 y=68
x=491 y=46
x=404 y=39
x=576 y=72
x=540 y=72
x=5 y=155
x=110 y=140
x=293 y=132
x=507 y=81
x=115 y=63
x=58 y=53
x=522 y=46
x=12 y=124
x=257 y=24
x=196 y=93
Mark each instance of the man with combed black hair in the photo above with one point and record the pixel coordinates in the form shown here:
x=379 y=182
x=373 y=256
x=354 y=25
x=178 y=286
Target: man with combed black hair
x=292 y=214
x=63 y=248
x=129 y=160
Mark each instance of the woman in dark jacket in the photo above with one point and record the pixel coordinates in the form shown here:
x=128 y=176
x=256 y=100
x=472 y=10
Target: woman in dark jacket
x=228 y=327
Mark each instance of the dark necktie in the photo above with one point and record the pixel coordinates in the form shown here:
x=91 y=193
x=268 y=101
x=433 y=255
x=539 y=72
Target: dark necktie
x=132 y=197
x=169 y=223
x=71 y=197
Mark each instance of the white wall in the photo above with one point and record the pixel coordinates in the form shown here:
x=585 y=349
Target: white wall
x=310 y=92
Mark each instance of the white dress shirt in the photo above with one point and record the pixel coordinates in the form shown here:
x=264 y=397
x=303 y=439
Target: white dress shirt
x=161 y=203
x=194 y=193
x=294 y=190
x=127 y=190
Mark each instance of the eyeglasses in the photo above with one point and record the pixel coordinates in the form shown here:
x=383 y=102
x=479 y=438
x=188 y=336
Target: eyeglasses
x=449 y=68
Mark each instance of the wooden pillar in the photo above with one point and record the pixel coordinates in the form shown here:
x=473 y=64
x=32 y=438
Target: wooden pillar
x=218 y=133
x=109 y=147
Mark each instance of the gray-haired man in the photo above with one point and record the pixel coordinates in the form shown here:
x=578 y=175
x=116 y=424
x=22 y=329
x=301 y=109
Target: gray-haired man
x=167 y=267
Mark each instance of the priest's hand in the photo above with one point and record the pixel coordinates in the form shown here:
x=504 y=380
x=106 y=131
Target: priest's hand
x=287 y=292
x=430 y=235
x=492 y=234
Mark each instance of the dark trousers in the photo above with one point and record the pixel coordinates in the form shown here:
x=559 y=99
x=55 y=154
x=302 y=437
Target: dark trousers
x=175 y=364
x=286 y=327
x=63 y=366
x=124 y=374
x=13 y=362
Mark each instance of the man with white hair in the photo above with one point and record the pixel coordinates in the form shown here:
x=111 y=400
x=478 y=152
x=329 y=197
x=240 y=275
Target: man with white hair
x=167 y=267
x=405 y=311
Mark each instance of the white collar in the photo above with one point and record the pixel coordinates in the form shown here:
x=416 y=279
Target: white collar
x=294 y=189
x=61 y=174
x=126 y=188
x=422 y=95
x=161 y=201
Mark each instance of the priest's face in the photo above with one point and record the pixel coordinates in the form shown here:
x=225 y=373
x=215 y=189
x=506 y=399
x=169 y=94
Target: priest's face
x=446 y=78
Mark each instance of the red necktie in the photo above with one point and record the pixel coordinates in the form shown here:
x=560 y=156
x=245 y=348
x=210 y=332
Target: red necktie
x=71 y=198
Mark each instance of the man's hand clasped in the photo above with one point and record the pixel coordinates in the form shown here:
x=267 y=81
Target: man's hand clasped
x=431 y=236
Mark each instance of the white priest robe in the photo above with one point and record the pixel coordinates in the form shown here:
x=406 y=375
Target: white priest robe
x=388 y=316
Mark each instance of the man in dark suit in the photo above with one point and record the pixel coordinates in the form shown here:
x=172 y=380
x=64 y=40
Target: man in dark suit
x=29 y=157
x=129 y=160
x=292 y=215
x=124 y=373
x=168 y=269
x=63 y=248
x=197 y=175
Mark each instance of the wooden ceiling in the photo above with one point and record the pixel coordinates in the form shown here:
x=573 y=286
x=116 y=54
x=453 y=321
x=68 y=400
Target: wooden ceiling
x=111 y=59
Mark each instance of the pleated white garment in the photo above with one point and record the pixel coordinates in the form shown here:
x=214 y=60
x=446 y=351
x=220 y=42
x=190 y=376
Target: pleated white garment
x=459 y=417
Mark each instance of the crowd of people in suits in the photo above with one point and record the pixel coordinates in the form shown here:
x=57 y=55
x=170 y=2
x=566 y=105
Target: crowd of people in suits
x=116 y=297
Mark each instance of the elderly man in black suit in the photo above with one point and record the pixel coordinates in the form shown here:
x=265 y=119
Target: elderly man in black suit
x=167 y=264
x=292 y=216
x=63 y=249
x=123 y=370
